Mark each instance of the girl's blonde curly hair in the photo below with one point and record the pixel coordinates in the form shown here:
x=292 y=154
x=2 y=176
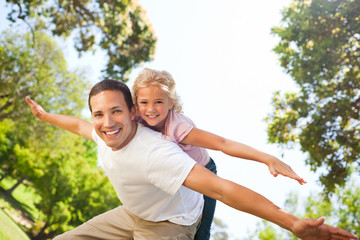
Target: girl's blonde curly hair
x=150 y=77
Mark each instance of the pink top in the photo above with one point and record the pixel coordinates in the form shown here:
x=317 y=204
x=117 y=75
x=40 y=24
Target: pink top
x=177 y=127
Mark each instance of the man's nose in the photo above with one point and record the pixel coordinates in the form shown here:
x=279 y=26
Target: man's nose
x=108 y=120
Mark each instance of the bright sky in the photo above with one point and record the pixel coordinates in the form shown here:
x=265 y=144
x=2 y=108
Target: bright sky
x=220 y=54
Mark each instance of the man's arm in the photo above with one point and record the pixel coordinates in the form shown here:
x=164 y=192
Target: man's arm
x=72 y=124
x=204 y=139
x=246 y=200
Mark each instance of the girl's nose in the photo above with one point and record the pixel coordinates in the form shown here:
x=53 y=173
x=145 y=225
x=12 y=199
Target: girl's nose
x=151 y=108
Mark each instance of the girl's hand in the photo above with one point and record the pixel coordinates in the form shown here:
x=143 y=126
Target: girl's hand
x=277 y=167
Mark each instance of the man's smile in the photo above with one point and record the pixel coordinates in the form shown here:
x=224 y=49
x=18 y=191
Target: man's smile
x=112 y=133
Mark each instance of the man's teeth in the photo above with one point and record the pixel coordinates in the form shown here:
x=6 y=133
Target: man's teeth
x=113 y=132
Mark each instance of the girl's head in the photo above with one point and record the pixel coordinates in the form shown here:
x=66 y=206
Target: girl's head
x=154 y=95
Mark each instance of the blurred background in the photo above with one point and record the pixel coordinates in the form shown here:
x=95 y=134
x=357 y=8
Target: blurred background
x=280 y=76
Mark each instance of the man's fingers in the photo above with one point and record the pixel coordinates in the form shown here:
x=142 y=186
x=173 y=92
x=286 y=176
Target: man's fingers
x=342 y=234
x=320 y=221
x=27 y=99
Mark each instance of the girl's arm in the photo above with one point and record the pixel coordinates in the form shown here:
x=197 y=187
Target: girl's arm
x=246 y=200
x=69 y=123
x=204 y=139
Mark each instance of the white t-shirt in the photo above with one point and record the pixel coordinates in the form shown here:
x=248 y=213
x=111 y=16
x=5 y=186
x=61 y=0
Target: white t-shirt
x=148 y=174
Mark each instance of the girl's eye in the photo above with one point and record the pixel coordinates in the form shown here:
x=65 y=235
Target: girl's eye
x=143 y=102
x=117 y=111
x=159 y=102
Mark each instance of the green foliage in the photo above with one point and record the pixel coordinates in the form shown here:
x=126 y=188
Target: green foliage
x=36 y=70
x=267 y=231
x=342 y=210
x=61 y=171
x=58 y=167
x=118 y=27
x=39 y=71
x=218 y=230
x=72 y=190
x=319 y=47
x=25 y=205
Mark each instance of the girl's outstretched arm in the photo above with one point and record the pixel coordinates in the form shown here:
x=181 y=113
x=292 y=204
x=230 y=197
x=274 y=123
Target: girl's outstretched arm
x=69 y=123
x=201 y=138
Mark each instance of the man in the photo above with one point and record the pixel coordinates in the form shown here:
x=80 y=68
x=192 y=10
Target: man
x=153 y=178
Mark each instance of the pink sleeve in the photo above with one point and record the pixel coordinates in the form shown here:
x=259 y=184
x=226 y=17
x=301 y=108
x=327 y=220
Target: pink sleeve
x=177 y=127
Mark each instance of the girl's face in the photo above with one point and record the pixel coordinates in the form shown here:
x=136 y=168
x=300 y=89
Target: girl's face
x=154 y=105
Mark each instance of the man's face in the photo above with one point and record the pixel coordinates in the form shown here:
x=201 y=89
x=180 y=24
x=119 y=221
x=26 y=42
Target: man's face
x=112 y=120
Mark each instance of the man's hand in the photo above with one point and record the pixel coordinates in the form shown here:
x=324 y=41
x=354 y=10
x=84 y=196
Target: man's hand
x=315 y=229
x=36 y=109
x=277 y=167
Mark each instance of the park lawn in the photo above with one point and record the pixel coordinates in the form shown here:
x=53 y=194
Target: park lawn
x=24 y=195
x=10 y=230
x=23 y=198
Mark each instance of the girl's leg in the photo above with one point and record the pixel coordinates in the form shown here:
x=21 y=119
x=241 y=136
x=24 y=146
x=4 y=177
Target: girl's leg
x=203 y=233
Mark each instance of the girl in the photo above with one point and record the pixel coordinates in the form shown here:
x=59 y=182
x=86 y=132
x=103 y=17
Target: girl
x=158 y=108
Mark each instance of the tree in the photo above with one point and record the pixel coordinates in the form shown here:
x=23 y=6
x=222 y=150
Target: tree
x=6 y=147
x=267 y=231
x=38 y=70
x=341 y=210
x=118 y=27
x=319 y=48
x=218 y=230
x=59 y=167
x=72 y=191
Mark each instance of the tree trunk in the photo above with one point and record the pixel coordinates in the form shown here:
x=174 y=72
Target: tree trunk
x=3 y=177
x=9 y=191
x=42 y=235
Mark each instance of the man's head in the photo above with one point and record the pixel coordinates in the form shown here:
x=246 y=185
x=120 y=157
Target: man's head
x=109 y=84
x=112 y=113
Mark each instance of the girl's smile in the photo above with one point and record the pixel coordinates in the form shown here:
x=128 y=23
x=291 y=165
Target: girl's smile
x=153 y=106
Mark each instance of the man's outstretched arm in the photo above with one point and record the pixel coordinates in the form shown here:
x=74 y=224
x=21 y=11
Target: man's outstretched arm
x=69 y=123
x=246 y=200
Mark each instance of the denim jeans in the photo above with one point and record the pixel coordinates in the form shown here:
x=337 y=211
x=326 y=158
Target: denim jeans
x=203 y=233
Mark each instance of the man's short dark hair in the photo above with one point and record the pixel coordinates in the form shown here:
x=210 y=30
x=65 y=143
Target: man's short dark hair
x=113 y=85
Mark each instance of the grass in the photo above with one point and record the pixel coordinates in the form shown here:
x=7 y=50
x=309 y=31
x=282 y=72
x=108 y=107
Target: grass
x=10 y=230
x=23 y=199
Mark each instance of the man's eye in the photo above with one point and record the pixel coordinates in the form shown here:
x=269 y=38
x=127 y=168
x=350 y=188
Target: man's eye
x=159 y=102
x=98 y=115
x=117 y=111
